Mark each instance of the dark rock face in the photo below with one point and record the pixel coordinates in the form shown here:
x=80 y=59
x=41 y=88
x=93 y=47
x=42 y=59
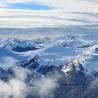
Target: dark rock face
x=47 y=69
x=96 y=50
x=30 y=64
x=4 y=74
x=73 y=86
x=23 y=49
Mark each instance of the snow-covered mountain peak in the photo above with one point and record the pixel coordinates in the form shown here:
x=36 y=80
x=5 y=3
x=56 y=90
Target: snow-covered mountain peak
x=85 y=62
x=73 y=65
x=17 y=45
x=14 y=42
x=73 y=40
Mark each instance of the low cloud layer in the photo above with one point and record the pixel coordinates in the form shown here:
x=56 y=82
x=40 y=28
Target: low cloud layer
x=17 y=87
x=45 y=86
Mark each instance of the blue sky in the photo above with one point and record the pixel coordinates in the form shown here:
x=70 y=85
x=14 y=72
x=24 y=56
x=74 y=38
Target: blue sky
x=23 y=4
x=29 y=6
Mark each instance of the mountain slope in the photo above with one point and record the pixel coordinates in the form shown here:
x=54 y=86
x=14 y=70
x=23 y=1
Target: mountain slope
x=65 y=67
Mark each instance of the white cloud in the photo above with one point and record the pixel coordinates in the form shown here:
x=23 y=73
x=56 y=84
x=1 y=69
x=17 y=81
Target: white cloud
x=42 y=18
x=15 y=87
x=45 y=86
x=8 y=61
x=80 y=5
x=58 y=16
x=2 y=5
x=15 y=1
x=18 y=87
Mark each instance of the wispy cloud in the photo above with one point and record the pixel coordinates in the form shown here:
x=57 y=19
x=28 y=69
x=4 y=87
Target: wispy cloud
x=15 y=87
x=43 y=18
x=18 y=87
x=23 y=13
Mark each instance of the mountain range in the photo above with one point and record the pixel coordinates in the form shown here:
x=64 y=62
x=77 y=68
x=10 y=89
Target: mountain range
x=63 y=67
